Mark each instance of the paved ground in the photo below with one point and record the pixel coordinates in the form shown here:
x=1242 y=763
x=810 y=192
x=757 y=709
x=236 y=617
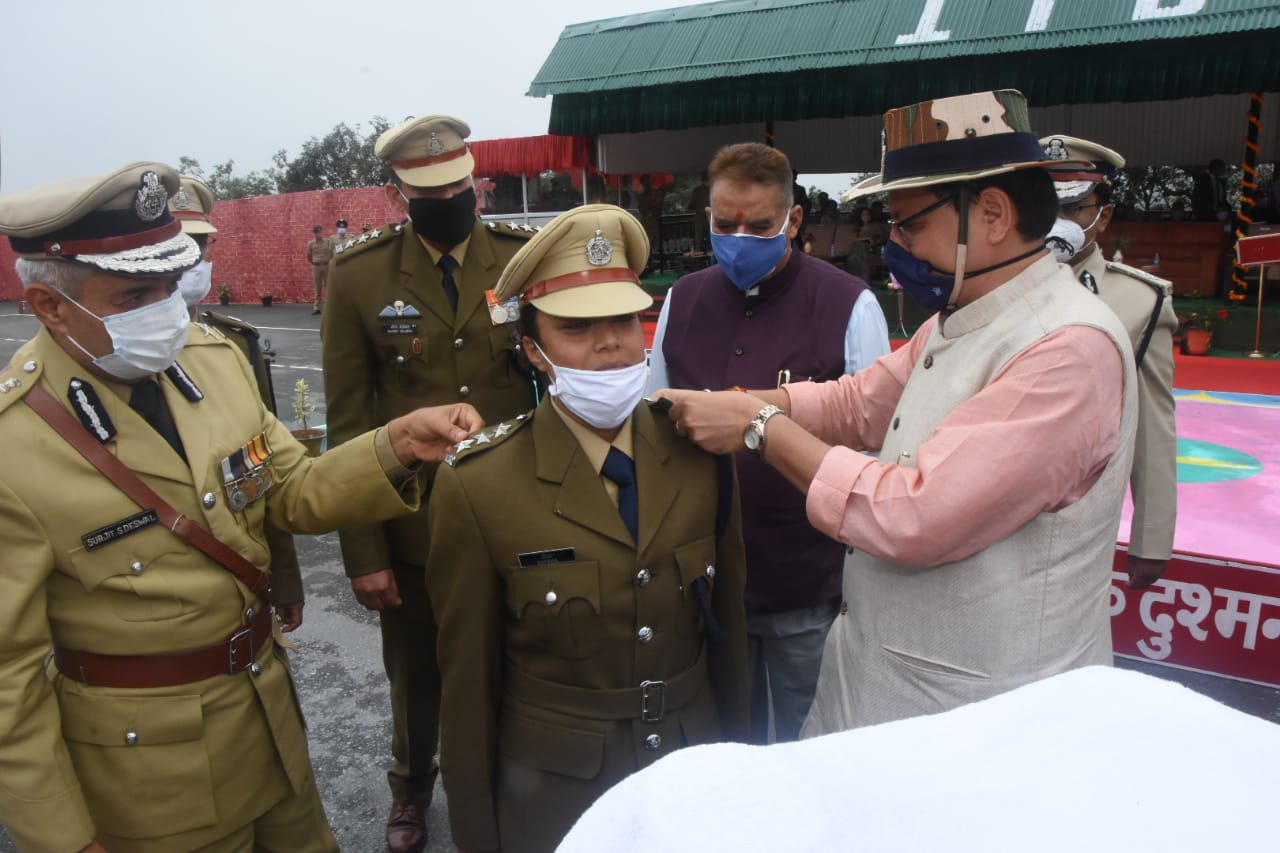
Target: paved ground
x=339 y=667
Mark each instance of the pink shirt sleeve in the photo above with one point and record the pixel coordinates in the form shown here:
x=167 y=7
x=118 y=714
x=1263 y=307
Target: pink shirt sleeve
x=1035 y=439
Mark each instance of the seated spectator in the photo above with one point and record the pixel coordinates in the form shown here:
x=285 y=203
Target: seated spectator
x=876 y=233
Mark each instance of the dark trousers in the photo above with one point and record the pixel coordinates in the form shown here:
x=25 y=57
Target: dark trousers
x=409 y=656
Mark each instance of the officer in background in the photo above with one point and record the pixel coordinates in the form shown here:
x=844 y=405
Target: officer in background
x=319 y=254
x=411 y=321
x=192 y=206
x=165 y=718
x=587 y=565
x=1144 y=303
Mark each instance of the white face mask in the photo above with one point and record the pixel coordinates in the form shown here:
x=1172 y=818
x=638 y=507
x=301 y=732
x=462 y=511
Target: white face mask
x=195 y=283
x=144 y=341
x=602 y=398
x=1065 y=240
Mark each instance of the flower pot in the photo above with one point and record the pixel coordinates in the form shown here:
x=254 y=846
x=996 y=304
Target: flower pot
x=312 y=439
x=1197 y=341
x=266 y=299
x=224 y=299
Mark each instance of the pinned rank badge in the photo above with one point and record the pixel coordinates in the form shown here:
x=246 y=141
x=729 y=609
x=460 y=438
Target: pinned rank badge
x=245 y=475
x=502 y=311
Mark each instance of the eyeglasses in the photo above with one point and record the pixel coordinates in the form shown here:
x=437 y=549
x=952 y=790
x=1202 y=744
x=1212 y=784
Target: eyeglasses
x=908 y=227
x=1071 y=211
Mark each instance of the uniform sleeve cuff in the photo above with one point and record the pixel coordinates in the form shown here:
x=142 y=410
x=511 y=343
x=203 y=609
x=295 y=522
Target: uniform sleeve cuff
x=398 y=474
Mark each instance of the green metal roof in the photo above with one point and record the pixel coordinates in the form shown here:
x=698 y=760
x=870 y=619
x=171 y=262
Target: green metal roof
x=756 y=60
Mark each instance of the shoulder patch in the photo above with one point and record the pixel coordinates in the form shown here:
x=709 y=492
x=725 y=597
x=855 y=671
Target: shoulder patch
x=380 y=236
x=485 y=439
x=18 y=378
x=513 y=229
x=1153 y=281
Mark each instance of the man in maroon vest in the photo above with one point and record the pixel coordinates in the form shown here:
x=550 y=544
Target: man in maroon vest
x=764 y=315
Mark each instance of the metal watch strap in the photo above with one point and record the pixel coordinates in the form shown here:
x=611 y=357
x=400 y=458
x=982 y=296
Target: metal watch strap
x=758 y=424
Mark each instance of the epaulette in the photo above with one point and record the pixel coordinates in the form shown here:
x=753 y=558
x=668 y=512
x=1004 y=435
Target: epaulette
x=355 y=245
x=513 y=228
x=1154 y=281
x=485 y=439
x=17 y=379
x=225 y=322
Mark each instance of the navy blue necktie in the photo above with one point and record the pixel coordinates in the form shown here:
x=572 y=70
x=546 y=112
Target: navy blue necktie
x=147 y=399
x=448 y=263
x=621 y=468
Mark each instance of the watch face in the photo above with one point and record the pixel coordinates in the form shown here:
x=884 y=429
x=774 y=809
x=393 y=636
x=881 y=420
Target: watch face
x=751 y=438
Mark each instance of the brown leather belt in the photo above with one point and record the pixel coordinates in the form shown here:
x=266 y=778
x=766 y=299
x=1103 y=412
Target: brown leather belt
x=648 y=702
x=232 y=655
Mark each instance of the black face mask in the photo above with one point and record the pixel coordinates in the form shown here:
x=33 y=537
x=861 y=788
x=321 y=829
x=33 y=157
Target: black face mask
x=446 y=222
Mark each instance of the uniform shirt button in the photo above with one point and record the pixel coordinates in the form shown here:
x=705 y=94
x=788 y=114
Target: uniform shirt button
x=465 y=391
x=653 y=742
x=711 y=570
x=29 y=367
x=255 y=669
x=738 y=351
x=928 y=362
x=249 y=614
x=131 y=738
x=749 y=312
x=643 y=577
x=550 y=597
x=399 y=359
x=844 y=607
x=136 y=567
x=457 y=343
x=210 y=500
x=895 y=423
x=644 y=635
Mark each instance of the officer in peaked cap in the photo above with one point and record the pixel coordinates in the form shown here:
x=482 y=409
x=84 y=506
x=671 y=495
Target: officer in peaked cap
x=601 y=626
x=1002 y=435
x=411 y=320
x=134 y=544
x=1144 y=303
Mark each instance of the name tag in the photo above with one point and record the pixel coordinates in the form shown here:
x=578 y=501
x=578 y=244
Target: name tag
x=555 y=556
x=400 y=328
x=119 y=530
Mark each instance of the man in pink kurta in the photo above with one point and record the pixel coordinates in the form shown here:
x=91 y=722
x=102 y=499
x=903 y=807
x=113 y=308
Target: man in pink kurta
x=981 y=533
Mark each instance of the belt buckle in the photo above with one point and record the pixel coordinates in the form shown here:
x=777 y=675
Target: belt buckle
x=651 y=693
x=234 y=664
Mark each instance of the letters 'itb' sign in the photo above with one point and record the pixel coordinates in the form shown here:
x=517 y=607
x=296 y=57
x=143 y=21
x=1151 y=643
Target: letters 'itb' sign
x=1038 y=15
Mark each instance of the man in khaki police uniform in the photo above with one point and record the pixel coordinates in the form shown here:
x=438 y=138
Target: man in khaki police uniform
x=1144 y=303
x=165 y=719
x=409 y=324
x=562 y=584
x=192 y=206
x=319 y=254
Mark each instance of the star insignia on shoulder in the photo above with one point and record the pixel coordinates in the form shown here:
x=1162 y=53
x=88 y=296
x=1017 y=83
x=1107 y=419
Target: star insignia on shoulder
x=364 y=238
x=482 y=438
x=492 y=225
x=351 y=243
x=375 y=233
x=465 y=444
x=513 y=226
x=502 y=429
x=527 y=227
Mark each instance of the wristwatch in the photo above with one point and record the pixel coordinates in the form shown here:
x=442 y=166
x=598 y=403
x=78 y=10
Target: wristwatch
x=753 y=437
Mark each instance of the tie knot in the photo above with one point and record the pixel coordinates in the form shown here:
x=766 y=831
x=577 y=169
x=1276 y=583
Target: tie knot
x=619 y=467
x=448 y=263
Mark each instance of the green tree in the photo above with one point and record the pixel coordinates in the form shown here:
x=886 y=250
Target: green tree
x=342 y=159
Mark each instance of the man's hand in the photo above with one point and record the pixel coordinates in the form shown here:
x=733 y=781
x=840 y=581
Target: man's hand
x=377 y=591
x=715 y=421
x=425 y=435
x=289 y=616
x=1143 y=572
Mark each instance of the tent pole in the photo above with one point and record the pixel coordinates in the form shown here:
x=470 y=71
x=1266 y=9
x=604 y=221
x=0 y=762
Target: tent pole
x=524 y=196
x=584 y=184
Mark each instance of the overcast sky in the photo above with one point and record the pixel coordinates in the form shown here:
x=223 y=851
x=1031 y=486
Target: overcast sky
x=90 y=85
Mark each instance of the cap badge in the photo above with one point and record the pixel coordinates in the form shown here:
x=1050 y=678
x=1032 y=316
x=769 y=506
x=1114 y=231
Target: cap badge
x=599 y=250
x=1056 y=150
x=181 y=201
x=434 y=146
x=151 y=197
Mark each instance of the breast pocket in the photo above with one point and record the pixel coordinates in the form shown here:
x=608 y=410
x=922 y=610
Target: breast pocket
x=133 y=754
x=558 y=608
x=125 y=567
x=696 y=566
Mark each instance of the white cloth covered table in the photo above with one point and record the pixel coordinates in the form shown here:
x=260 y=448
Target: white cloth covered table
x=1094 y=759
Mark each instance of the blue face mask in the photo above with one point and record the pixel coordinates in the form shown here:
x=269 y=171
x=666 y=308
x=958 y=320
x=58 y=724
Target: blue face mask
x=929 y=289
x=746 y=258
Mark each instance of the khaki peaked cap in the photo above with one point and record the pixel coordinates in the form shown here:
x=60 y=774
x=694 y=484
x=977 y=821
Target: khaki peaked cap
x=427 y=152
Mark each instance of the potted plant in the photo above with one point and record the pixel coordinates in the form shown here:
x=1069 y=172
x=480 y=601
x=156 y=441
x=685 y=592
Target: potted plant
x=311 y=437
x=224 y=294
x=1198 y=325
x=266 y=299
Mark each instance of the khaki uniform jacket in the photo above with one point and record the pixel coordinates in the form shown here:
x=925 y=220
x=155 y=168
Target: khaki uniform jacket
x=1132 y=295
x=208 y=754
x=520 y=765
x=379 y=364
x=320 y=250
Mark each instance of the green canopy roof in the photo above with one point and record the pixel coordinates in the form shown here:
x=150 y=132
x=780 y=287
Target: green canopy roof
x=786 y=60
